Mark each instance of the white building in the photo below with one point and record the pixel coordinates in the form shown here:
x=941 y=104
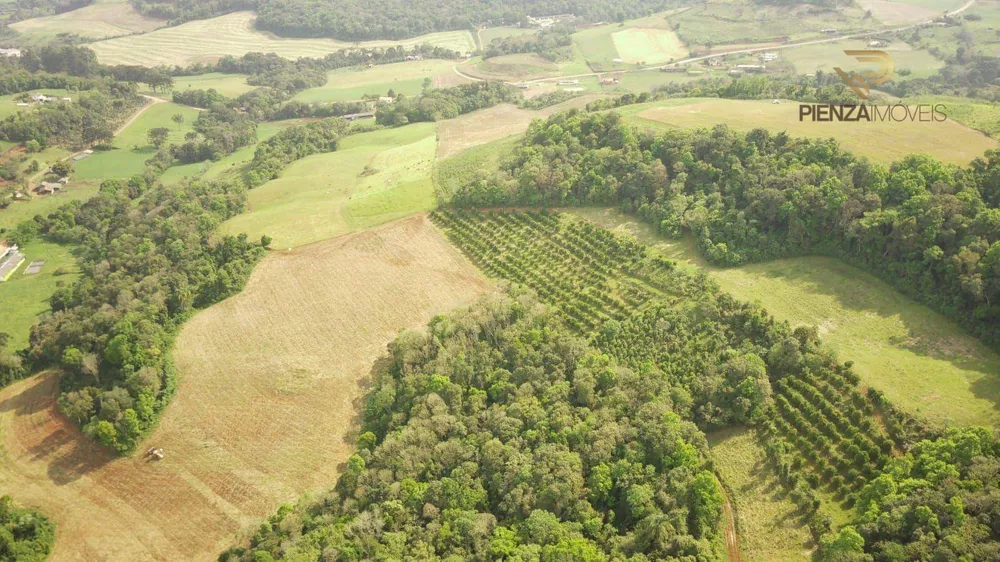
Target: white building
x=10 y=52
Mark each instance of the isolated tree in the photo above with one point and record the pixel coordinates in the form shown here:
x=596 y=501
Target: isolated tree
x=178 y=118
x=158 y=79
x=158 y=136
x=428 y=83
x=62 y=168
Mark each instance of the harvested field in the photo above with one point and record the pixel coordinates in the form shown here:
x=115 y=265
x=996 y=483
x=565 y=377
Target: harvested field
x=234 y=34
x=266 y=405
x=101 y=20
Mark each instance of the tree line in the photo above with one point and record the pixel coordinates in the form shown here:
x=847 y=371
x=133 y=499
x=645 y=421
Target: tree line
x=356 y=20
x=932 y=230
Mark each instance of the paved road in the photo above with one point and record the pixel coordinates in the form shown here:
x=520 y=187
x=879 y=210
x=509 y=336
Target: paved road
x=963 y=8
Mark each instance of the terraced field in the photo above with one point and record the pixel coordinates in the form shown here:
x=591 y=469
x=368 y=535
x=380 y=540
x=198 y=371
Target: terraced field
x=234 y=34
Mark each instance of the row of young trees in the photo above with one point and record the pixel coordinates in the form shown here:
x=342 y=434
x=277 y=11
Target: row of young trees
x=552 y=43
x=446 y=103
x=930 y=229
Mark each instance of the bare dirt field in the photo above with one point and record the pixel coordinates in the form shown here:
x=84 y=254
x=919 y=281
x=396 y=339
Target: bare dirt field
x=266 y=409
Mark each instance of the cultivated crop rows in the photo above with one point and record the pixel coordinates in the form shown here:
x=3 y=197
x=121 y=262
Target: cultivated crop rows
x=580 y=269
x=832 y=426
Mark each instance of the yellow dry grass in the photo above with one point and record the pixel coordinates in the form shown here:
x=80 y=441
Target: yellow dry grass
x=96 y=21
x=270 y=381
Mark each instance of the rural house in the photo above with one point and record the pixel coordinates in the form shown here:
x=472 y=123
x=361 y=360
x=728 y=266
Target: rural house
x=10 y=52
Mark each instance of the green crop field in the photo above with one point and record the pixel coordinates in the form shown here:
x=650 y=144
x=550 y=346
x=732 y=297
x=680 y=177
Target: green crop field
x=132 y=149
x=352 y=84
x=769 y=527
x=884 y=142
x=618 y=46
x=24 y=297
x=648 y=45
x=373 y=178
x=825 y=56
x=101 y=20
x=231 y=85
x=922 y=361
x=233 y=34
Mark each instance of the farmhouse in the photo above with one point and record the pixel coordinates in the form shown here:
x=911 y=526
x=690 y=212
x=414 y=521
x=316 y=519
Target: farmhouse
x=10 y=259
x=10 y=52
x=522 y=85
x=609 y=81
x=568 y=82
x=49 y=188
x=768 y=57
x=574 y=90
x=413 y=57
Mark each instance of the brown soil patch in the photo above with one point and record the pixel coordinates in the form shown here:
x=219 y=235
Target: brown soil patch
x=450 y=80
x=266 y=406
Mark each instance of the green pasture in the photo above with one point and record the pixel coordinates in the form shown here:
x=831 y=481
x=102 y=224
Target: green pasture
x=977 y=36
x=769 y=525
x=8 y=104
x=24 y=297
x=347 y=84
x=923 y=362
x=132 y=148
x=455 y=171
x=525 y=66
x=720 y=22
x=824 y=57
x=373 y=178
x=976 y=114
x=231 y=85
x=489 y=34
x=43 y=205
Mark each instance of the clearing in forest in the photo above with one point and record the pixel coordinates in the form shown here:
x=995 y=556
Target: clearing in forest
x=234 y=34
x=371 y=179
x=100 y=20
x=923 y=362
x=266 y=407
x=346 y=84
x=648 y=45
x=881 y=141
x=770 y=526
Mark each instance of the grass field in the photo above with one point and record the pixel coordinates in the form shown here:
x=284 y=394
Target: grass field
x=884 y=142
x=8 y=105
x=640 y=45
x=979 y=115
x=769 y=527
x=977 y=36
x=233 y=34
x=127 y=160
x=270 y=381
x=24 y=297
x=489 y=34
x=101 y=20
x=900 y=12
x=20 y=211
x=327 y=195
x=455 y=171
x=352 y=84
x=718 y=22
x=618 y=46
x=525 y=66
x=825 y=56
x=921 y=360
x=231 y=85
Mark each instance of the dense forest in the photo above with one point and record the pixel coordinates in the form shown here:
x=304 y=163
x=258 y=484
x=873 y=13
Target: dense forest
x=930 y=229
x=500 y=435
x=25 y=536
x=149 y=259
x=446 y=103
x=359 y=20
